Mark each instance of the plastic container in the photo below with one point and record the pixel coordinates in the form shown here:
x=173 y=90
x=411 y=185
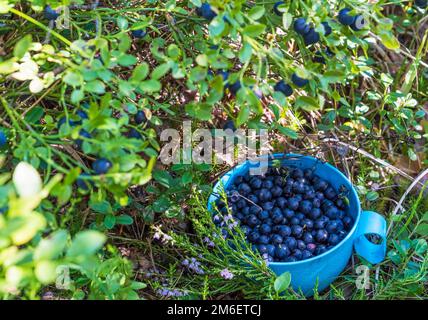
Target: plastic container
x=320 y=271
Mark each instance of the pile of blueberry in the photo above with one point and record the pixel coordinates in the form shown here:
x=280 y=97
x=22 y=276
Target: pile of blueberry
x=288 y=214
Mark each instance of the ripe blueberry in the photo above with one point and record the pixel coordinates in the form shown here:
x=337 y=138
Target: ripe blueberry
x=3 y=138
x=265 y=229
x=277 y=239
x=83 y=183
x=283 y=87
x=140 y=33
x=296 y=231
x=327 y=28
x=333 y=239
x=244 y=188
x=311 y=37
x=321 y=235
x=359 y=23
x=252 y=221
x=300 y=82
x=254 y=236
x=206 y=11
x=50 y=13
x=263 y=215
x=229 y=124
x=275 y=8
x=306 y=254
x=293 y=203
x=281 y=252
x=300 y=26
x=345 y=18
x=291 y=243
x=234 y=88
x=305 y=206
x=101 y=166
x=140 y=117
x=263 y=239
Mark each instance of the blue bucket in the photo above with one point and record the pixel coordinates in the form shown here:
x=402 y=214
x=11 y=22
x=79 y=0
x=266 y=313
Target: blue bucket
x=320 y=271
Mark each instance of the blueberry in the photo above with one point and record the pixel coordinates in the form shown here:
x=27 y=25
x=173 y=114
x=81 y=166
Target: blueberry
x=347 y=222
x=206 y=11
x=327 y=28
x=277 y=239
x=308 y=238
x=134 y=134
x=345 y=18
x=319 y=58
x=291 y=243
x=300 y=26
x=83 y=183
x=340 y=203
x=296 y=231
x=256 y=183
x=263 y=215
x=268 y=206
x=270 y=249
x=264 y=195
x=359 y=23
x=320 y=249
x=288 y=213
x=309 y=194
x=305 y=206
x=331 y=226
x=239 y=216
x=276 y=191
x=252 y=221
x=277 y=217
x=300 y=82
x=82 y=114
x=340 y=225
x=315 y=213
x=101 y=166
x=319 y=195
x=269 y=221
x=241 y=203
x=311 y=247
x=290 y=259
x=330 y=194
x=331 y=212
x=3 y=138
x=294 y=221
x=245 y=210
x=234 y=88
x=293 y=203
x=234 y=196
x=284 y=231
x=265 y=229
x=262 y=248
x=281 y=202
x=326 y=204
x=229 y=124
x=298 y=187
x=244 y=188
x=297 y=254
x=321 y=235
x=286 y=89
x=140 y=117
x=252 y=198
x=253 y=236
x=268 y=184
x=311 y=37
x=306 y=254
x=225 y=76
x=275 y=8
x=297 y=173
x=321 y=185
x=263 y=239
x=308 y=224
x=140 y=33
x=281 y=252
x=333 y=239
x=255 y=210
x=50 y=13
x=316 y=203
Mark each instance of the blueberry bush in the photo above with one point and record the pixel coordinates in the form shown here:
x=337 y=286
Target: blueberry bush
x=89 y=211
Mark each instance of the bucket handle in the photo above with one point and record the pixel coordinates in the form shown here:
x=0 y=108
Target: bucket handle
x=371 y=223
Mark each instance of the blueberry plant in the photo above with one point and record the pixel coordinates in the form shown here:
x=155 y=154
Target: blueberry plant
x=86 y=88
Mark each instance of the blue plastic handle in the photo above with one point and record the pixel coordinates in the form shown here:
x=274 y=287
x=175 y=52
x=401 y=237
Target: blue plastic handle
x=371 y=223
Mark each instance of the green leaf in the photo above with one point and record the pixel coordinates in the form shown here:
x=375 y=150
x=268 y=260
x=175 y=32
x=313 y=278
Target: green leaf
x=422 y=229
x=254 y=30
x=22 y=46
x=86 y=243
x=372 y=196
x=243 y=115
x=256 y=12
x=160 y=71
x=389 y=41
x=126 y=60
x=287 y=19
x=95 y=86
x=135 y=285
x=140 y=72
x=216 y=27
x=109 y=221
x=201 y=111
x=307 y=103
x=163 y=177
x=52 y=247
x=282 y=282
x=245 y=52
x=288 y=132
x=150 y=86
x=124 y=219
x=34 y=115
